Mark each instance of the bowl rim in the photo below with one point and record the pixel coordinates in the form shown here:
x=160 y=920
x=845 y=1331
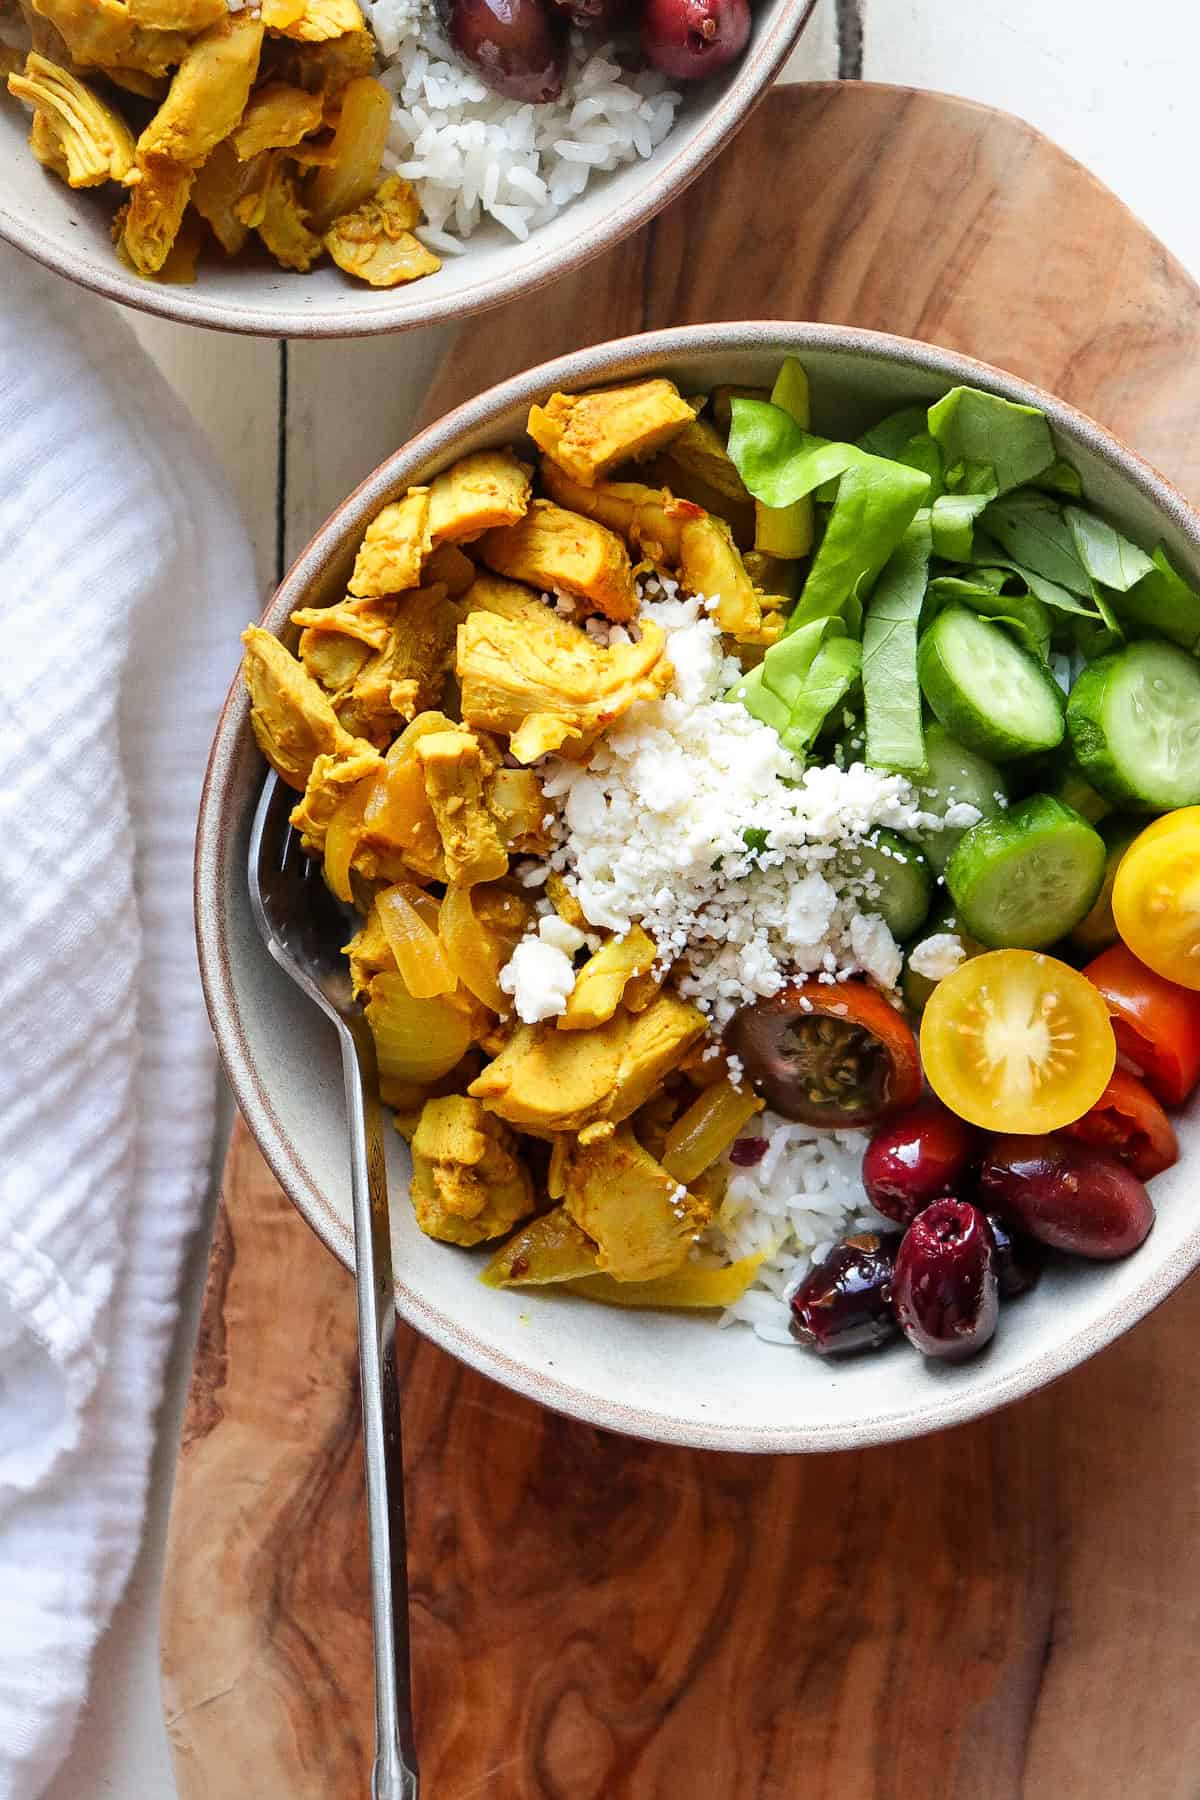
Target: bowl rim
x=751 y=81
x=625 y=358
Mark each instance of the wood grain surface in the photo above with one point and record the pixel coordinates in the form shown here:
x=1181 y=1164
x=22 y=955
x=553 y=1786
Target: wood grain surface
x=1010 y=1609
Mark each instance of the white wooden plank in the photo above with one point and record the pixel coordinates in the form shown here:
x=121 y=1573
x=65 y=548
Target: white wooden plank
x=231 y=385
x=815 y=57
x=1113 y=83
x=348 y=406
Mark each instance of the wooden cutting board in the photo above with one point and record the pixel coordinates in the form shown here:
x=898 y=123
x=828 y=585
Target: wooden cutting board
x=1010 y=1609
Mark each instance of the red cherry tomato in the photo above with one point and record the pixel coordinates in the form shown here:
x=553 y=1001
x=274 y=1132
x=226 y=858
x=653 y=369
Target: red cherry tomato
x=1128 y=1121
x=828 y=1054
x=1156 y=1023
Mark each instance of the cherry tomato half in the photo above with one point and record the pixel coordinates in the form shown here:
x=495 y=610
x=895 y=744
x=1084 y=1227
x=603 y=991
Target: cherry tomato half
x=1016 y=1041
x=1128 y=1121
x=828 y=1055
x=1156 y=897
x=1157 y=1023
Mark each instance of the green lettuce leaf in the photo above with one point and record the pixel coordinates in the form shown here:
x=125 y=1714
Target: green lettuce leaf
x=1030 y=528
x=1106 y=556
x=834 y=671
x=876 y=503
x=953 y=519
x=1162 y=601
x=1024 y=615
x=891 y=691
x=890 y=436
x=1011 y=441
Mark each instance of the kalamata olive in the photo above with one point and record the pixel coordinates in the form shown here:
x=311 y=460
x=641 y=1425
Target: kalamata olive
x=918 y=1157
x=1019 y=1260
x=517 y=47
x=944 y=1288
x=843 y=1304
x=1067 y=1194
x=689 y=39
x=595 y=15
x=826 y=1054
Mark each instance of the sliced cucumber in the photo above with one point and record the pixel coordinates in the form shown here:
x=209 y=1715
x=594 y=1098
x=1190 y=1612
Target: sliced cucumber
x=1098 y=929
x=991 y=694
x=1024 y=880
x=902 y=877
x=1134 y=719
x=956 y=777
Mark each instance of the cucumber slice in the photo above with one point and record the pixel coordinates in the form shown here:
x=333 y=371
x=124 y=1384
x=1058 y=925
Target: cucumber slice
x=1024 y=880
x=902 y=876
x=1098 y=929
x=956 y=777
x=1134 y=719
x=991 y=694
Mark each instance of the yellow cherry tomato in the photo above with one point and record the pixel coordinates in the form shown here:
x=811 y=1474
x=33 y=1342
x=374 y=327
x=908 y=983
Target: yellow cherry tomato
x=1017 y=1041
x=1156 y=897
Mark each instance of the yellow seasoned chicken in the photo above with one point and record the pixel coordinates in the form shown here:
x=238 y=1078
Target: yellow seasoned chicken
x=547 y=1080
x=600 y=984
x=700 y=449
x=396 y=543
x=543 y=682
x=468 y=1182
x=553 y=549
x=647 y=518
x=320 y=20
x=103 y=33
x=375 y=242
x=276 y=117
x=589 y=434
x=488 y=489
x=76 y=134
x=191 y=16
x=644 y=1221
x=292 y=720
x=282 y=221
x=208 y=93
x=335 y=641
x=515 y=800
x=369 y=952
x=147 y=227
x=407 y=676
x=331 y=779
x=453 y=766
x=710 y=564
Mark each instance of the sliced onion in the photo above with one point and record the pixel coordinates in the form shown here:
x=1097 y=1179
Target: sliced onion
x=708 y=1127
x=341 y=839
x=480 y=929
x=414 y=942
x=692 y=1286
x=415 y=1040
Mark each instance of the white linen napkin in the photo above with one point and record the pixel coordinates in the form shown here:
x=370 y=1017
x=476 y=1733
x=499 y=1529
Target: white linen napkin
x=125 y=575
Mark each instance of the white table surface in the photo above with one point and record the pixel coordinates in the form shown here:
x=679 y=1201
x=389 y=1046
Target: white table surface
x=1115 y=84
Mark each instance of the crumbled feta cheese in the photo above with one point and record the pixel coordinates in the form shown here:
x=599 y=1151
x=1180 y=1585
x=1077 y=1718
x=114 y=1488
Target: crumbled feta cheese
x=937 y=956
x=555 y=931
x=875 y=948
x=652 y=830
x=960 y=813
x=539 y=977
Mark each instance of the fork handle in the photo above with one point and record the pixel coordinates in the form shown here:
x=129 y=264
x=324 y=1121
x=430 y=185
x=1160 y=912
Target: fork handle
x=394 y=1776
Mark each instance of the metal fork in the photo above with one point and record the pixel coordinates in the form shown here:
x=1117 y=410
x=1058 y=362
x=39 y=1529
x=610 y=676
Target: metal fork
x=304 y=928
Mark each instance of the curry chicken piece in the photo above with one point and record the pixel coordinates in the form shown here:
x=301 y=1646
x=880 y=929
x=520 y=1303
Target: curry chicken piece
x=104 y=34
x=468 y=1182
x=147 y=227
x=332 y=777
x=208 y=93
x=540 y=680
x=478 y=493
x=369 y=953
x=553 y=549
x=710 y=564
x=406 y=677
x=292 y=720
x=395 y=545
x=277 y=116
x=319 y=20
x=335 y=641
x=545 y=1080
x=600 y=984
x=642 y=1219
x=516 y=802
x=281 y=220
x=452 y=762
x=648 y=518
x=589 y=434
x=75 y=133
x=375 y=241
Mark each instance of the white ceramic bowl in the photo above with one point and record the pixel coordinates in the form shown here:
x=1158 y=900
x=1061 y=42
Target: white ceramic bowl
x=672 y=1377
x=69 y=231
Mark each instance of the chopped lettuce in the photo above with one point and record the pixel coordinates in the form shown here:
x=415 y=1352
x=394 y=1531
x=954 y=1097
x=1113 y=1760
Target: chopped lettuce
x=973 y=428
x=891 y=692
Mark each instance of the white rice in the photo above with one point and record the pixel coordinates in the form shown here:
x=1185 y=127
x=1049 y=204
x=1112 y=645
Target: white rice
x=791 y=1208
x=474 y=156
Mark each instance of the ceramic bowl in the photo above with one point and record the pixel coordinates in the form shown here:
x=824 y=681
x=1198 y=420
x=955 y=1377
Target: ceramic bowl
x=69 y=230
x=671 y=1377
